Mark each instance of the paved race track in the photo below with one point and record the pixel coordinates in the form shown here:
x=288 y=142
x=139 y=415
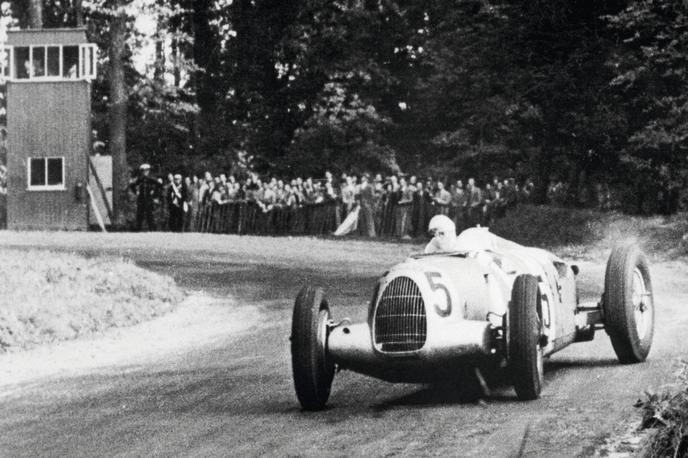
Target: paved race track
x=235 y=397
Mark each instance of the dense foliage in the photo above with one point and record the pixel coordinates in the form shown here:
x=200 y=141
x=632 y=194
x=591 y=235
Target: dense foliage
x=584 y=91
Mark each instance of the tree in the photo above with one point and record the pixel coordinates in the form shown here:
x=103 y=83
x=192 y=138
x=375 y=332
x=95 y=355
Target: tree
x=650 y=65
x=118 y=110
x=29 y=13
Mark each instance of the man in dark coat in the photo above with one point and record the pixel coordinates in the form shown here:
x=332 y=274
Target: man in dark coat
x=176 y=203
x=366 y=198
x=475 y=203
x=422 y=201
x=146 y=190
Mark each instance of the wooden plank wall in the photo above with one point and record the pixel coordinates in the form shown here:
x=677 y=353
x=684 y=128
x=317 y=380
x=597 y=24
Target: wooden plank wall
x=48 y=119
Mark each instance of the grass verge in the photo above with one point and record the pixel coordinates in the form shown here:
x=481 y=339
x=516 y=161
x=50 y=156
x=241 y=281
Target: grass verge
x=581 y=232
x=46 y=296
x=666 y=414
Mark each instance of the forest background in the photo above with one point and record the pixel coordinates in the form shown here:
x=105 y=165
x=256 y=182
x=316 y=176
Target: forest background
x=583 y=91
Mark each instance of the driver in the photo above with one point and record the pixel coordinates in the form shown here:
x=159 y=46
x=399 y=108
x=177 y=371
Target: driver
x=443 y=233
x=445 y=240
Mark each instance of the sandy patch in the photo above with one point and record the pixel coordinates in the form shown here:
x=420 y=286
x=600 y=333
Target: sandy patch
x=199 y=321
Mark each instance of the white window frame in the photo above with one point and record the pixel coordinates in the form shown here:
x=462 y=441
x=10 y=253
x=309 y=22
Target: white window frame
x=88 y=57
x=84 y=64
x=6 y=68
x=46 y=186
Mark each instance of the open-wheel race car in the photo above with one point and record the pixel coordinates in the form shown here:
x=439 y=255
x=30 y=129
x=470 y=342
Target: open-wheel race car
x=490 y=303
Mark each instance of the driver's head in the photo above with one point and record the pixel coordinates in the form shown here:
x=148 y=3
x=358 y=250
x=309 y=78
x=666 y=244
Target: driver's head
x=443 y=231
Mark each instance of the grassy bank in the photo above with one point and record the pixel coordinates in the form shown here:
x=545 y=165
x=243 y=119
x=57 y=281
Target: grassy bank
x=46 y=296
x=666 y=415
x=580 y=232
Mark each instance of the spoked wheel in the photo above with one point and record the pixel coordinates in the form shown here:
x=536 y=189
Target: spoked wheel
x=313 y=369
x=628 y=304
x=525 y=356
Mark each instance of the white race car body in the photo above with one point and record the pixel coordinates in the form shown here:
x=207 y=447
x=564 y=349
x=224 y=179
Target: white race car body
x=434 y=312
x=490 y=304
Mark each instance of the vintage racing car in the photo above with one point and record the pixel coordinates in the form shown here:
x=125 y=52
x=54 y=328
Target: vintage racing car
x=493 y=303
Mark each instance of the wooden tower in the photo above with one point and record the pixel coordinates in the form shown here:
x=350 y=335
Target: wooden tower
x=48 y=73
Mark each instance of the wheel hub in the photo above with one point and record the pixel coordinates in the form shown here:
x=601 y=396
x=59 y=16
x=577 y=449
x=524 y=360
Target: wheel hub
x=642 y=304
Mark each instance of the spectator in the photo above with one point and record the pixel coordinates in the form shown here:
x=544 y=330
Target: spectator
x=348 y=195
x=191 y=205
x=442 y=199
x=366 y=197
x=146 y=189
x=176 y=203
x=490 y=198
x=527 y=191
x=500 y=201
x=475 y=203
x=403 y=210
x=556 y=193
x=458 y=205
x=421 y=209
x=510 y=192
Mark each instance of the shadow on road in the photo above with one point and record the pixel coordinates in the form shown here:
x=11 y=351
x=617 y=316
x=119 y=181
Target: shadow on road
x=561 y=364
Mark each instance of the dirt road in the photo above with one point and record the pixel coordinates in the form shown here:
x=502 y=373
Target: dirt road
x=232 y=395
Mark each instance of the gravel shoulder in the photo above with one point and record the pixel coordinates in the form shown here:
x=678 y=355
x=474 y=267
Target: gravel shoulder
x=198 y=322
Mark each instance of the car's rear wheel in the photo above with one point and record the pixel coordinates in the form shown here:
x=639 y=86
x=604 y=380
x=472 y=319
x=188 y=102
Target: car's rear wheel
x=525 y=356
x=313 y=369
x=628 y=304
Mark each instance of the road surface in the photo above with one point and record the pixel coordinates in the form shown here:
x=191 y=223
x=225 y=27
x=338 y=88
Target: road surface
x=232 y=394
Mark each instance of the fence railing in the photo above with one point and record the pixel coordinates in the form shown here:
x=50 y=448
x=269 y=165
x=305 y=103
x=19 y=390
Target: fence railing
x=247 y=217
x=389 y=219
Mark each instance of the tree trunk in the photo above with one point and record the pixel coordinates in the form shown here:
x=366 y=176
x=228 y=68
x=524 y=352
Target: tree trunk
x=35 y=14
x=160 y=61
x=202 y=52
x=176 y=56
x=118 y=115
x=78 y=13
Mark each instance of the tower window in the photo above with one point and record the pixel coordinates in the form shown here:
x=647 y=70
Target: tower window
x=70 y=68
x=49 y=62
x=53 y=56
x=38 y=61
x=46 y=173
x=22 y=64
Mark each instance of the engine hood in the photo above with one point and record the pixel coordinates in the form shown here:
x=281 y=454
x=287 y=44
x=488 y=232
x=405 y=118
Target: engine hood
x=468 y=285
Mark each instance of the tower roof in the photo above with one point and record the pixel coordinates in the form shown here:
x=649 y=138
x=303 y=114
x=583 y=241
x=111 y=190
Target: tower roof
x=27 y=37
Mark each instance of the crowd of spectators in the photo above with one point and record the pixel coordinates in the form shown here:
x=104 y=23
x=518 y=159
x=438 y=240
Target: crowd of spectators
x=396 y=206
x=392 y=206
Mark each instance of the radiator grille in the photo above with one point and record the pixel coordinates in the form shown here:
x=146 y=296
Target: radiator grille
x=400 y=323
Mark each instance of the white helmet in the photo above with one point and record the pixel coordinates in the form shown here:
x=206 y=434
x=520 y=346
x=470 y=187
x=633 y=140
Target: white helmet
x=443 y=230
x=441 y=223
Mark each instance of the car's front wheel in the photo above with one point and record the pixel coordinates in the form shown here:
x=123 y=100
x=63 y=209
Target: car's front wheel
x=313 y=369
x=628 y=304
x=525 y=356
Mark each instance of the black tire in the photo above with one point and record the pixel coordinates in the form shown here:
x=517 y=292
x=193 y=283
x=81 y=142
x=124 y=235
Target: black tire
x=312 y=368
x=524 y=330
x=628 y=304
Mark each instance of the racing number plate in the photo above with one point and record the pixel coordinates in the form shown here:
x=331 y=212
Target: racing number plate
x=432 y=276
